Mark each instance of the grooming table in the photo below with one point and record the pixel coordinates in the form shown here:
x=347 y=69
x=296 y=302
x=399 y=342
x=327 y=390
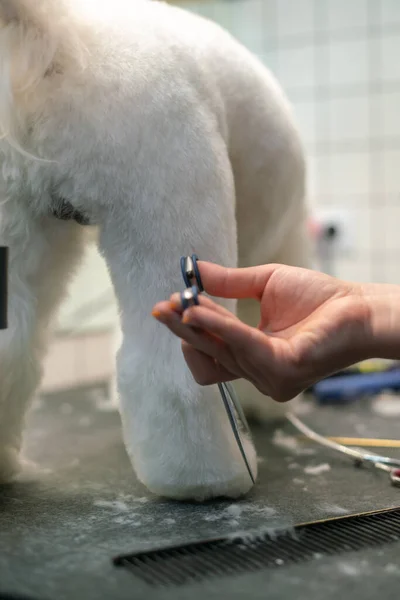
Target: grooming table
x=59 y=532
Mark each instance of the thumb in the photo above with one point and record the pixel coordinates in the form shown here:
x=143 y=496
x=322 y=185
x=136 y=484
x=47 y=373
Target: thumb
x=235 y=283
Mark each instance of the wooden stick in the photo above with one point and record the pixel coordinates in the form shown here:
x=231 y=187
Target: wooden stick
x=366 y=442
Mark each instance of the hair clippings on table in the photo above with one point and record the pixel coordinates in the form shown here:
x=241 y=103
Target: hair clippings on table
x=236 y=416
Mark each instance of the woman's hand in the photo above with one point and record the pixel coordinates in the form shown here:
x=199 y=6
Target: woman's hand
x=311 y=325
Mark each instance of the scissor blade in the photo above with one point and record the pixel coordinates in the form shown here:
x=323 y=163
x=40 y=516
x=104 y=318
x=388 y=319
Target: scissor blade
x=238 y=407
x=230 y=403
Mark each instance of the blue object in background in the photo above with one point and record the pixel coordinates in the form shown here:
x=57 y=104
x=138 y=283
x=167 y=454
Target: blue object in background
x=347 y=388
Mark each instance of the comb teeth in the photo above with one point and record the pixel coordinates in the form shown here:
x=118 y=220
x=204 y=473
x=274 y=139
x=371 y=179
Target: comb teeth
x=222 y=557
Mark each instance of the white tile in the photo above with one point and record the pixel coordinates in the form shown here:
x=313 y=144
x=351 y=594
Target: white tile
x=391 y=229
x=295 y=17
x=390 y=114
x=362 y=271
x=391 y=269
x=325 y=200
x=344 y=200
x=390 y=58
x=348 y=62
x=392 y=199
x=269 y=18
x=247 y=24
x=91 y=283
x=377 y=117
x=322 y=120
x=76 y=361
x=363 y=223
x=390 y=12
x=353 y=269
x=377 y=176
x=255 y=8
x=296 y=67
x=317 y=177
x=391 y=173
x=313 y=202
x=59 y=367
x=312 y=180
x=221 y=13
x=378 y=227
x=348 y=119
x=192 y=6
x=99 y=358
x=345 y=14
x=305 y=118
x=349 y=174
x=358 y=201
x=200 y=8
x=270 y=60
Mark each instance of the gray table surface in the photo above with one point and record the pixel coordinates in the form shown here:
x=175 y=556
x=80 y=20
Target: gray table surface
x=60 y=531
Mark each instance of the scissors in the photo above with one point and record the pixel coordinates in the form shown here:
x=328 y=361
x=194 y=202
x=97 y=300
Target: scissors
x=237 y=419
x=384 y=463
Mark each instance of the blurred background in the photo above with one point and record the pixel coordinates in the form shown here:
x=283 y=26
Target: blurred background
x=339 y=63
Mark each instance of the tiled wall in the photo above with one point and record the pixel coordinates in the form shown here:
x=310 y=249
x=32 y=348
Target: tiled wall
x=91 y=304
x=339 y=62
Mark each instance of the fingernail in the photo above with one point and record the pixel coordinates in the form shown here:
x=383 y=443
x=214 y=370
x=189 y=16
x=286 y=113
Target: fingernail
x=158 y=315
x=175 y=301
x=185 y=319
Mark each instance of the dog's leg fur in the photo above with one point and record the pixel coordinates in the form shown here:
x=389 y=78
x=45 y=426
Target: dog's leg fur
x=177 y=433
x=160 y=132
x=43 y=254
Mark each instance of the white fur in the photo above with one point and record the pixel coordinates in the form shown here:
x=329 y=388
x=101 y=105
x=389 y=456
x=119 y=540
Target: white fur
x=166 y=132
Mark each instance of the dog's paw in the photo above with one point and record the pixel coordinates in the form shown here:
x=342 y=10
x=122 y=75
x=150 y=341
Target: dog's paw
x=30 y=471
x=200 y=478
x=10 y=465
x=15 y=468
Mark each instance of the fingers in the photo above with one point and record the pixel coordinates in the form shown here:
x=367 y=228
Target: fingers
x=176 y=304
x=235 y=283
x=166 y=308
x=231 y=331
x=214 y=331
x=201 y=357
x=205 y=369
x=220 y=348
x=163 y=310
x=200 y=340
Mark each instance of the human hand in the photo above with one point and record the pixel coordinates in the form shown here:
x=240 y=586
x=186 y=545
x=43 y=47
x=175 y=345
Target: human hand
x=311 y=325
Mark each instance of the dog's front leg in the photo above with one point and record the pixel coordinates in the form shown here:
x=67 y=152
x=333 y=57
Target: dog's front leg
x=177 y=433
x=43 y=254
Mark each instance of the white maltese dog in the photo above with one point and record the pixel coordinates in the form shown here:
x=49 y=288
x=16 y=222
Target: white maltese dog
x=161 y=130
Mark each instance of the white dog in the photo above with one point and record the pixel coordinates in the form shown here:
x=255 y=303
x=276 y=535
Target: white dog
x=172 y=138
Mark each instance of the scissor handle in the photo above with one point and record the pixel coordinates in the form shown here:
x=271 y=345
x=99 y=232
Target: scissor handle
x=190 y=297
x=190 y=271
